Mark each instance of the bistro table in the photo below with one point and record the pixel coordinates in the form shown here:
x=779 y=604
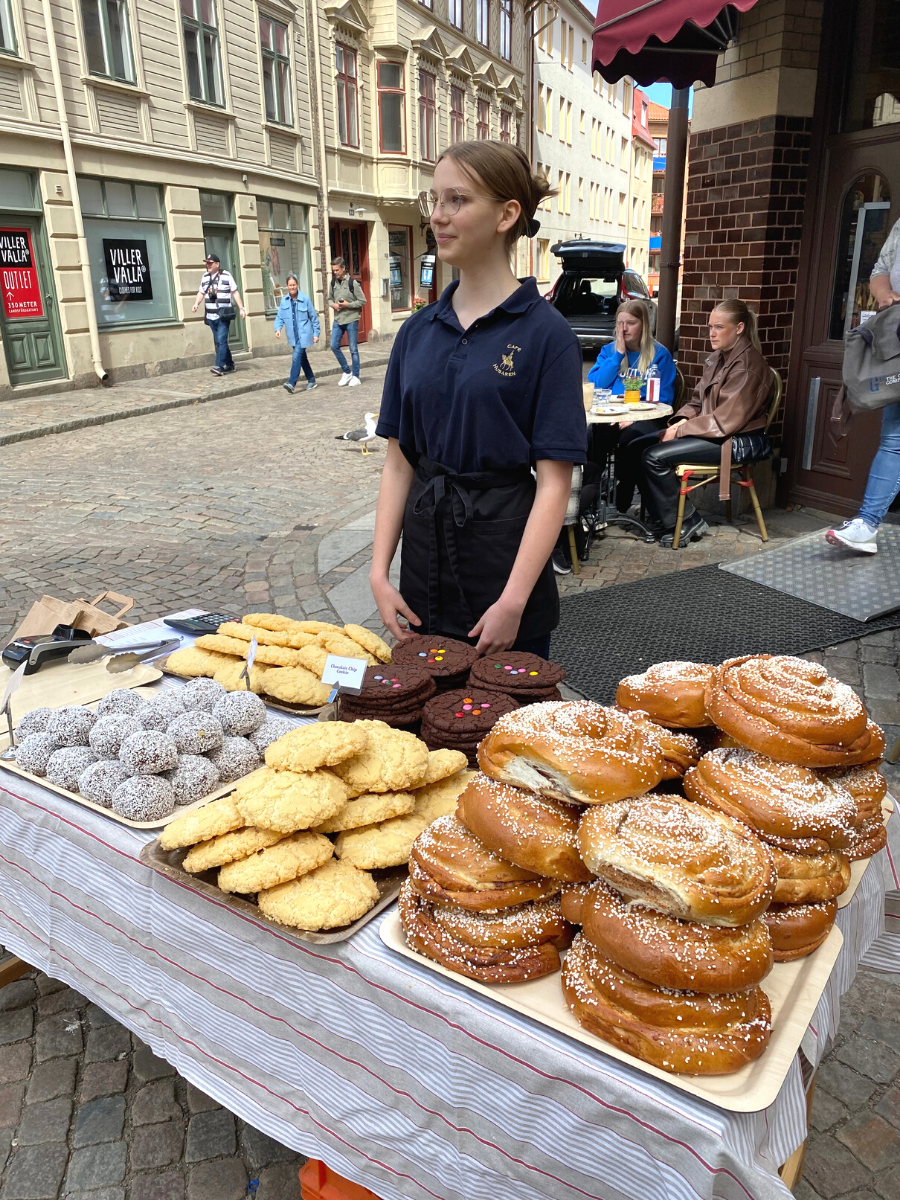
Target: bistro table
x=399 y=1079
x=605 y=512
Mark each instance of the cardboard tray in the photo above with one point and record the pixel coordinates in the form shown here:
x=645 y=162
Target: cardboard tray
x=296 y=710
x=168 y=863
x=858 y=867
x=61 y=683
x=11 y=766
x=793 y=989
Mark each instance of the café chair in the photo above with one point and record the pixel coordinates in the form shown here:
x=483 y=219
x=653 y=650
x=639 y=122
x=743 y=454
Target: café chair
x=680 y=390
x=571 y=518
x=741 y=475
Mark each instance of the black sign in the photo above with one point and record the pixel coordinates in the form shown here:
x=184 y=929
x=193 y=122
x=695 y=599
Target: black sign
x=127 y=269
x=15 y=250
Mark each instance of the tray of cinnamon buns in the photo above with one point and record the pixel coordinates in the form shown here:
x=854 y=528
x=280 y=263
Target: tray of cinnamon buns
x=660 y=878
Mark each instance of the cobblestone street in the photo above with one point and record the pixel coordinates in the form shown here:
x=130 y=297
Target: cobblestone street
x=249 y=502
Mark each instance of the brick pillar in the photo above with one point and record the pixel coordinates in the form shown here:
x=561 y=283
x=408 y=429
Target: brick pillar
x=746 y=192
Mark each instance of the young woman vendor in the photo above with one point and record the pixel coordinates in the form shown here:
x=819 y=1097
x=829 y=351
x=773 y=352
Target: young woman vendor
x=634 y=348
x=482 y=386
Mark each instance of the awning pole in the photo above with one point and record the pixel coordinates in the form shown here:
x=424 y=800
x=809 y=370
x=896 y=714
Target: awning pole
x=673 y=213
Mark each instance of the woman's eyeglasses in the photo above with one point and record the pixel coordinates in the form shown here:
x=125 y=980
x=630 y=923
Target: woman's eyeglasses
x=449 y=202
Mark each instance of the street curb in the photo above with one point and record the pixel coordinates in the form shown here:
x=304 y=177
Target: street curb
x=225 y=392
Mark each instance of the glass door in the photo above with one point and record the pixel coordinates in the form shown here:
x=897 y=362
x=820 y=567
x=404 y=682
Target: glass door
x=220 y=237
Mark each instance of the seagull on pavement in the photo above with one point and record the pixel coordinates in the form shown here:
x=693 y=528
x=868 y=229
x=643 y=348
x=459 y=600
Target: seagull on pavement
x=363 y=435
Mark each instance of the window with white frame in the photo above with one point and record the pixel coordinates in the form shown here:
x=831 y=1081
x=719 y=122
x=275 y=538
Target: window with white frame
x=542 y=260
x=274 y=40
x=8 y=42
x=506 y=22
x=391 y=108
x=505 y=126
x=569 y=122
x=347 y=95
x=623 y=200
x=483 y=120
x=623 y=155
x=107 y=37
x=200 y=26
x=562 y=119
x=455 y=13
x=427 y=3
x=457 y=114
x=427 y=116
x=483 y=21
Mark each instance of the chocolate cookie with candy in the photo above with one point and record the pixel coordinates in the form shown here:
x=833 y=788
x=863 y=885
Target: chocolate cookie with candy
x=393 y=694
x=460 y=719
x=446 y=660
x=526 y=676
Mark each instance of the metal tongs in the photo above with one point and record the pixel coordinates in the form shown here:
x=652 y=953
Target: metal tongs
x=123 y=660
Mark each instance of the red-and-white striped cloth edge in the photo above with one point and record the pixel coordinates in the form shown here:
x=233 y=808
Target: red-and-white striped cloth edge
x=399 y=1080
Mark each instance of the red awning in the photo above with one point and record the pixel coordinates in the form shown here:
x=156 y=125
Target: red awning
x=673 y=40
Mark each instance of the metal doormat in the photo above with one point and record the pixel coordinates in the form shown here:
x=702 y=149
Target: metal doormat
x=861 y=586
x=701 y=614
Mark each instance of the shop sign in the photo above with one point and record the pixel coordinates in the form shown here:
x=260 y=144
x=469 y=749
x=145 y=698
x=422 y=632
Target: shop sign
x=426 y=271
x=127 y=269
x=18 y=275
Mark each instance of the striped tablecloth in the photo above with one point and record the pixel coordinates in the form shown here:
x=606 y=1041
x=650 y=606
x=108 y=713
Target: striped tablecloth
x=399 y=1080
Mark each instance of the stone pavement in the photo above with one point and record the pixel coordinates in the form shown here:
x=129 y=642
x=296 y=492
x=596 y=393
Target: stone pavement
x=39 y=415
x=252 y=503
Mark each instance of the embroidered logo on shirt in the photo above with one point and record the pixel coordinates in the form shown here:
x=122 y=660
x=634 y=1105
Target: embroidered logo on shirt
x=506 y=366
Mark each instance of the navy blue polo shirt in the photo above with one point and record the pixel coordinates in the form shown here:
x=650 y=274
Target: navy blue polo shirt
x=499 y=395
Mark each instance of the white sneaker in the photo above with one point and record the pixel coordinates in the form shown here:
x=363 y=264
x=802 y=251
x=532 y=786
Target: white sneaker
x=344 y=380
x=354 y=381
x=856 y=534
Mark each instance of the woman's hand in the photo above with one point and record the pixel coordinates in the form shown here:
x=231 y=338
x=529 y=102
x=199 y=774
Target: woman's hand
x=390 y=603
x=498 y=627
x=670 y=434
x=278 y=333
x=624 y=424
x=620 y=339
x=316 y=339
x=890 y=298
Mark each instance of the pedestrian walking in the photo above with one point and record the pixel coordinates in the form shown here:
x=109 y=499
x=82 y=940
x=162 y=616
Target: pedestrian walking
x=219 y=291
x=884 y=475
x=297 y=315
x=481 y=387
x=347 y=300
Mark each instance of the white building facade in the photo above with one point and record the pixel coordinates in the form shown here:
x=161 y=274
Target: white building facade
x=581 y=142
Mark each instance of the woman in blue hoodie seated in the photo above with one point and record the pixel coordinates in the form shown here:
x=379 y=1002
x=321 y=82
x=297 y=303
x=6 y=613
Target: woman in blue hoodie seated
x=633 y=348
x=297 y=314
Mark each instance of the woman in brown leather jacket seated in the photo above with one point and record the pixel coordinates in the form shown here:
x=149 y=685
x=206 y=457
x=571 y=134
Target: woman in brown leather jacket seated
x=730 y=398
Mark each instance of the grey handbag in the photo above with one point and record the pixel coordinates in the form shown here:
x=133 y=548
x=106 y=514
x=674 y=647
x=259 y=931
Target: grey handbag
x=871 y=369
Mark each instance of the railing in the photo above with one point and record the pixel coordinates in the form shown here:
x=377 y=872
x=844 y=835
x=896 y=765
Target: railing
x=656 y=202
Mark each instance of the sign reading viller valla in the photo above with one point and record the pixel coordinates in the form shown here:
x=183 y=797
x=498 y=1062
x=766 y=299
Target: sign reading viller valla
x=19 y=284
x=127 y=269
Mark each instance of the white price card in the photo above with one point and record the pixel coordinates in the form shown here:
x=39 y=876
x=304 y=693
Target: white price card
x=13 y=685
x=345 y=674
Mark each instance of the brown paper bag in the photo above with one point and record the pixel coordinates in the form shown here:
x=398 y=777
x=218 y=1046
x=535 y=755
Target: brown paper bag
x=48 y=612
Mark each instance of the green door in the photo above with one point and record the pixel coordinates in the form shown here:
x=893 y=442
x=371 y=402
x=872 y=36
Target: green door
x=29 y=318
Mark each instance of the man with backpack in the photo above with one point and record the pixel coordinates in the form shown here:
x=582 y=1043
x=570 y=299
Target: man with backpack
x=346 y=299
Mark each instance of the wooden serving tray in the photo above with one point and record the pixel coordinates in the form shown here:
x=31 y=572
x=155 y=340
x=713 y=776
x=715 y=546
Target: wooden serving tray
x=61 y=683
x=857 y=868
x=793 y=988
x=296 y=710
x=168 y=863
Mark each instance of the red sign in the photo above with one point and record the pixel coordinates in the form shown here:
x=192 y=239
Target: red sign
x=18 y=275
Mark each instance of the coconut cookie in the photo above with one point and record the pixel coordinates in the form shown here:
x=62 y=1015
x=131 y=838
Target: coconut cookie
x=288 y=858
x=392 y=761
x=201 y=824
x=333 y=895
x=228 y=847
x=386 y=845
x=322 y=744
x=368 y=810
x=286 y=801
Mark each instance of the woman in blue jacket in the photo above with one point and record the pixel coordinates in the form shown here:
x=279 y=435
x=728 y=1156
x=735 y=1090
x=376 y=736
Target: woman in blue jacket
x=633 y=348
x=297 y=314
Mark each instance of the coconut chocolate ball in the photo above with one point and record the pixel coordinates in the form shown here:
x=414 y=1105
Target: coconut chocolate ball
x=202 y=694
x=33 y=722
x=99 y=781
x=71 y=725
x=121 y=700
x=144 y=798
x=235 y=758
x=193 y=778
x=160 y=711
x=149 y=752
x=240 y=713
x=270 y=731
x=33 y=752
x=196 y=732
x=66 y=764
x=110 y=732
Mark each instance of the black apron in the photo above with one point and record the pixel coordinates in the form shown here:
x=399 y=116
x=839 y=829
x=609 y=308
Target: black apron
x=461 y=535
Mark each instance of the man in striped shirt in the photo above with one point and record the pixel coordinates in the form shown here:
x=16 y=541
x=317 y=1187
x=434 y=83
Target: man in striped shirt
x=219 y=291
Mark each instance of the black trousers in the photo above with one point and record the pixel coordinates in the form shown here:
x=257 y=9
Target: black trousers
x=633 y=441
x=658 y=465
